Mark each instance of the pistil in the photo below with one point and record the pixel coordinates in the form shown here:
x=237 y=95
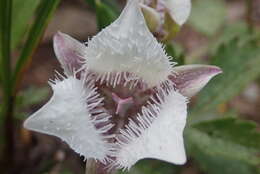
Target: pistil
x=122 y=104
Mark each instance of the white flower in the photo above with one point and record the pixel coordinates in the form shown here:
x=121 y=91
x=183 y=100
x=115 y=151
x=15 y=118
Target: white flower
x=121 y=99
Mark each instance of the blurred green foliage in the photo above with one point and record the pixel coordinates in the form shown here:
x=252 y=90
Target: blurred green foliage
x=105 y=15
x=225 y=145
x=229 y=32
x=208 y=16
x=66 y=172
x=21 y=18
x=176 y=53
x=240 y=61
x=106 y=11
x=215 y=154
x=29 y=98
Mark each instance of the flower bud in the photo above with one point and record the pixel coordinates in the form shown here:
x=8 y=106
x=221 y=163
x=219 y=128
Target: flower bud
x=152 y=17
x=164 y=17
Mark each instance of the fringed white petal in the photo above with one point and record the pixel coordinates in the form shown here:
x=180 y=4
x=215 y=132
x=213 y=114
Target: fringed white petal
x=69 y=52
x=128 y=46
x=68 y=116
x=179 y=10
x=158 y=133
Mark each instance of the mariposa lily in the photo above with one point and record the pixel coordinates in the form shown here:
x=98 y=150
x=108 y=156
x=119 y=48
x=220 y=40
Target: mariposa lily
x=121 y=99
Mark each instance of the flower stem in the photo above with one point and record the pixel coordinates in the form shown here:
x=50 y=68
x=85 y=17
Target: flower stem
x=91 y=166
x=249 y=13
x=94 y=167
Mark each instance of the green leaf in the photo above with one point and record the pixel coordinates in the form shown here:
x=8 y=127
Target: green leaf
x=240 y=62
x=29 y=98
x=44 y=14
x=151 y=166
x=106 y=11
x=229 y=32
x=207 y=16
x=105 y=14
x=225 y=146
x=91 y=3
x=22 y=13
x=5 y=66
x=232 y=129
x=5 y=49
x=110 y=3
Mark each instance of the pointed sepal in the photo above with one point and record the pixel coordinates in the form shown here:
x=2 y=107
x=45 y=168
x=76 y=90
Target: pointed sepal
x=69 y=52
x=190 y=79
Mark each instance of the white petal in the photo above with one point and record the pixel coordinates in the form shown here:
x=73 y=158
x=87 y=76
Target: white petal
x=179 y=10
x=128 y=46
x=69 y=52
x=67 y=116
x=158 y=133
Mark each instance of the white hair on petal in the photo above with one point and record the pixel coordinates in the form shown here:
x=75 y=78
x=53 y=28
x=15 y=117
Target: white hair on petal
x=127 y=80
x=157 y=133
x=75 y=114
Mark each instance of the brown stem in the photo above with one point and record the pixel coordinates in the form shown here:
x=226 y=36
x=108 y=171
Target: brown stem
x=9 y=133
x=249 y=14
x=91 y=167
x=94 y=167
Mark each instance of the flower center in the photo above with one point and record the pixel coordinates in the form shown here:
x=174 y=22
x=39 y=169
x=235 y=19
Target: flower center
x=123 y=102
